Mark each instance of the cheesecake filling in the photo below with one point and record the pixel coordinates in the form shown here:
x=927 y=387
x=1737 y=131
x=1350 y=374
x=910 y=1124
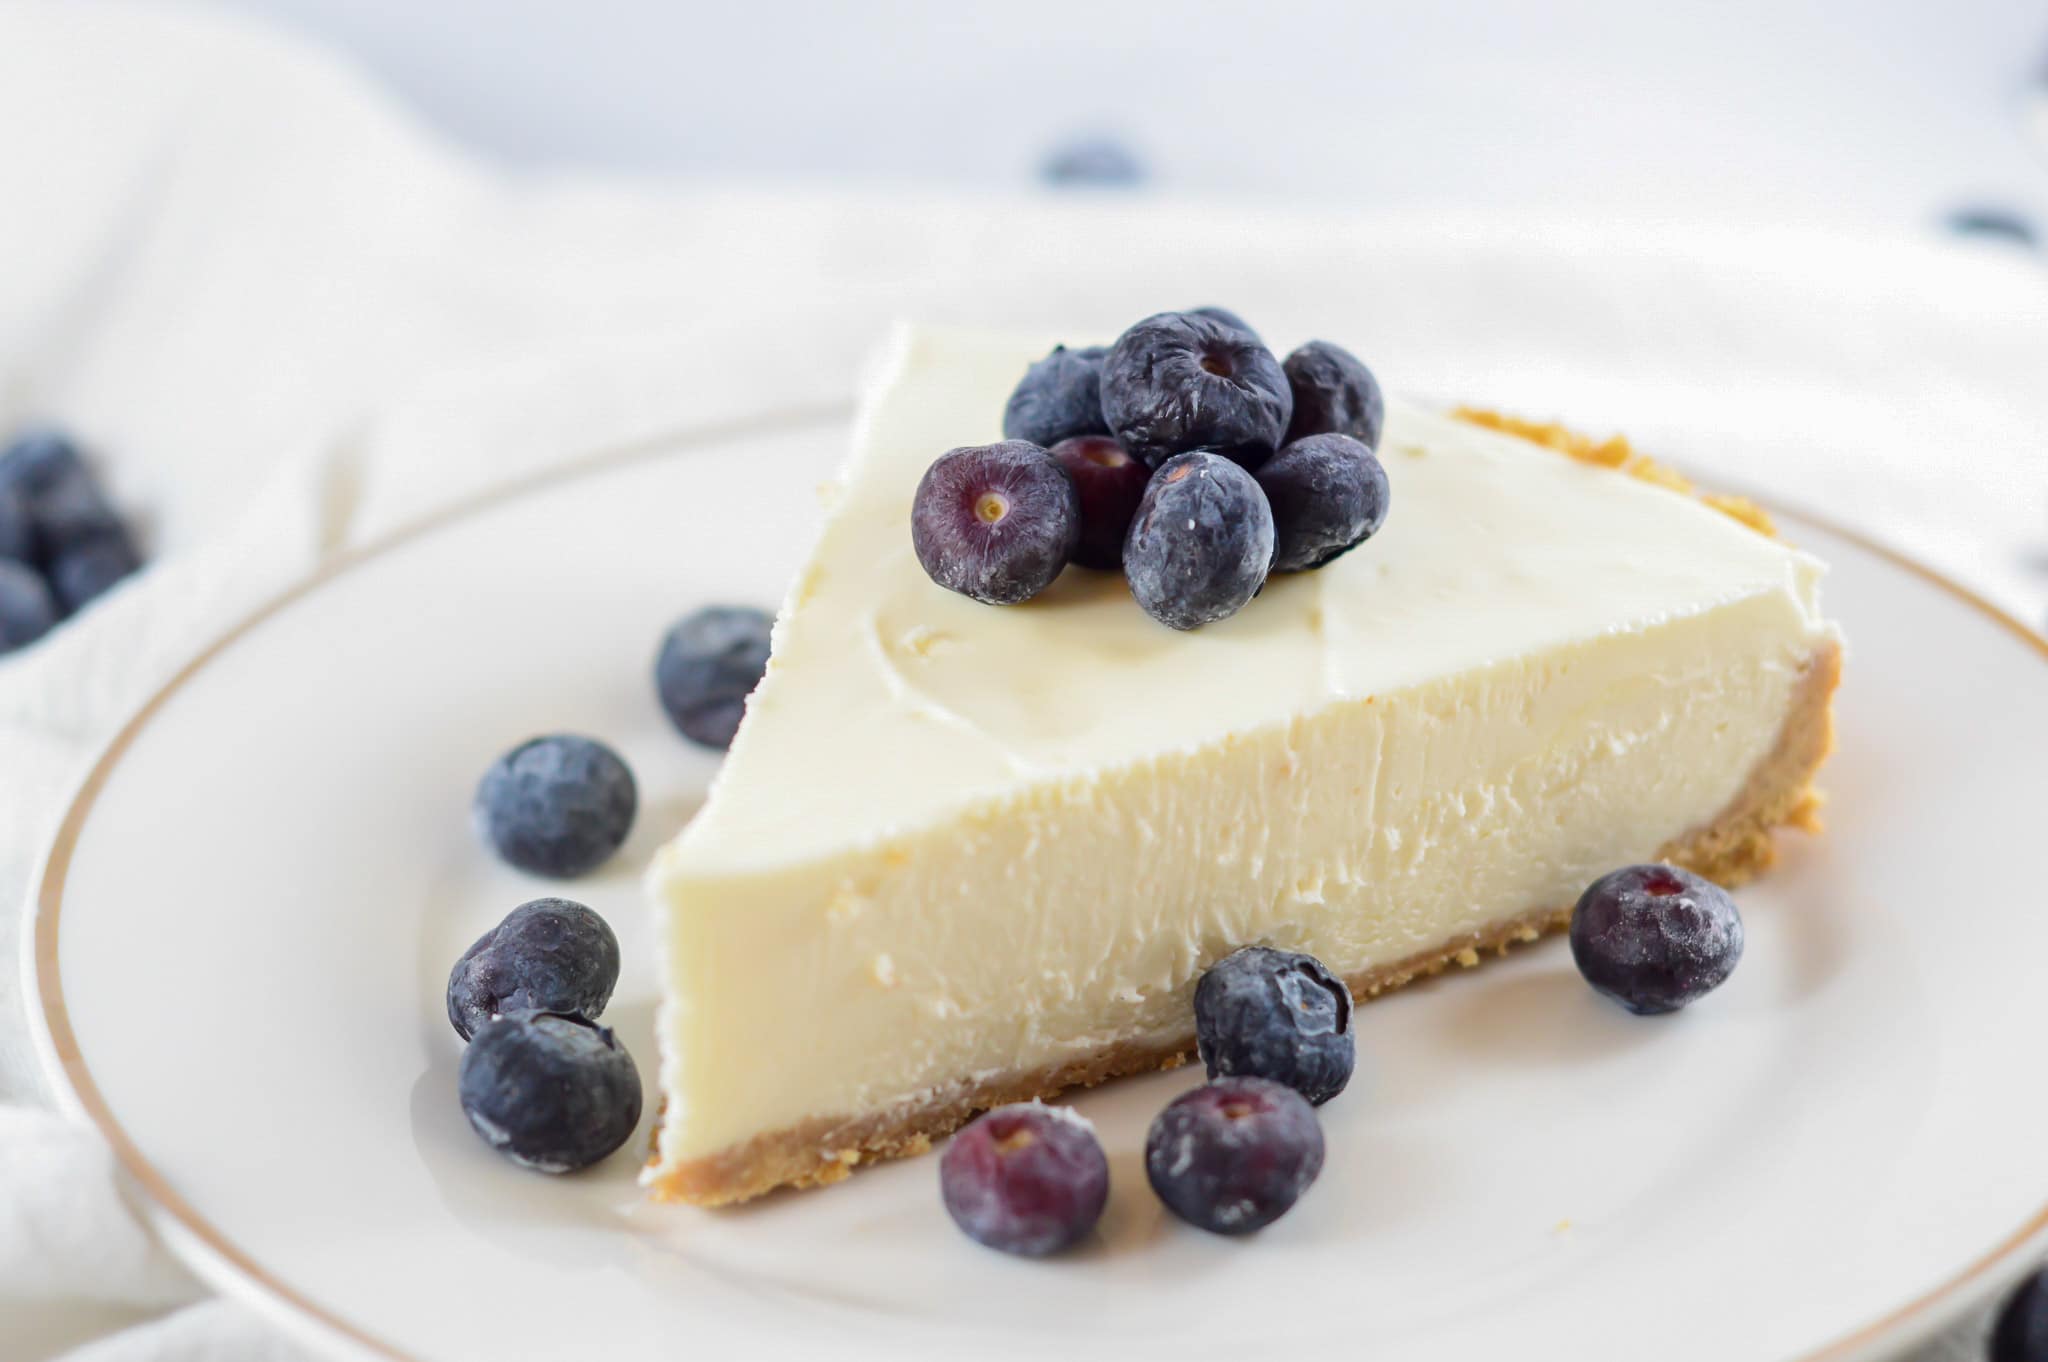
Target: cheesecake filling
x=1074 y=913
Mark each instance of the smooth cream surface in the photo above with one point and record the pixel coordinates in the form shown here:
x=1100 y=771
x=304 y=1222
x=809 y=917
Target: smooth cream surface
x=954 y=841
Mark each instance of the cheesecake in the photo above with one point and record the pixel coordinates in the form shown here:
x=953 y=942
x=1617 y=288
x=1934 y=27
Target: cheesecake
x=960 y=855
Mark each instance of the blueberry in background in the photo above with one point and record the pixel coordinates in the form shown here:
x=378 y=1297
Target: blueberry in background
x=2021 y=1334
x=557 y=806
x=709 y=663
x=1279 y=1015
x=87 y=568
x=1026 y=1179
x=1329 y=494
x=1180 y=381
x=1110 y=484
x=27 y=611
x=1654 y=937
x=1201 y=543
x=1333 y=393
x=17 y=530
x=1233 y=1156
x=65 y=503
x=550 y=1093
x=550 y=955
x=1227 y=317
x=1058 y=398
x=995 y=522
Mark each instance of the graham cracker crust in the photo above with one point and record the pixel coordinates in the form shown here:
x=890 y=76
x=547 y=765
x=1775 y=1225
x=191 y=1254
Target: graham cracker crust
x=1730 y=850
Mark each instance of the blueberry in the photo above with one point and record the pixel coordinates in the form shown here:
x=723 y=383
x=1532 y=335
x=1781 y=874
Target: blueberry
x=1276 y=1014
x=549 y=1092
x=708 y=665
x=1179 y=381
x=1654 y=938
x=557 y=805
x=27 y=611
x=1334 y=393
x=88 y=568
x=17 y=529
x=1233 y=1156
x=65 y=504
x=995 y=522
x=1227 y=317
x=1110 y=484
x=1328 y=494
x=1058 y=398
x=1201 y=543
x=549 y=955
x=1027 y=1179
x=2021 y=1334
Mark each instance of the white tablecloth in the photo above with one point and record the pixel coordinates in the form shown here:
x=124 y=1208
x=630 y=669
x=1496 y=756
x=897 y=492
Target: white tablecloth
x=287 y=319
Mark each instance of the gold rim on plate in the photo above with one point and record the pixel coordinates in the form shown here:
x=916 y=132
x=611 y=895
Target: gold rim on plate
x=68 y=1066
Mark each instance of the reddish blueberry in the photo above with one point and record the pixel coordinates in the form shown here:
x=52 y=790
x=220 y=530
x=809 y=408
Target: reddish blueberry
x=1201 y=543
x=1233 y=1156
x=1058 y=398
x=1110 y=484
x=1027 y=1179
x=1333 y=393
x=995 y=522
x=1654 y=937
x=1276 y=1014
x=1328 y=493
x=1180 y=381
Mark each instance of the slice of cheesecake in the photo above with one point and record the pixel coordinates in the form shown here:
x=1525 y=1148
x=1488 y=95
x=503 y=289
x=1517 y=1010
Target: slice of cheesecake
x=962 y=855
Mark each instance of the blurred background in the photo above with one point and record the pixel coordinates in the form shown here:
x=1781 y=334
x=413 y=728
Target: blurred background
x=1889 y=114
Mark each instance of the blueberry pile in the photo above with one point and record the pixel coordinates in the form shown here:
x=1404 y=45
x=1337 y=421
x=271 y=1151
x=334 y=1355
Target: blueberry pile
x=1273 y=1030
x=1230 y=1157
x=541 y=1082
x=1185 y=455
x=61 y=544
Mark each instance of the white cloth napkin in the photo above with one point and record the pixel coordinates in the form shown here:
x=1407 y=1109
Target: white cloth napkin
x=288 y=321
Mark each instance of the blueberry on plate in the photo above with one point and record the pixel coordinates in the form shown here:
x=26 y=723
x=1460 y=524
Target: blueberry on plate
x=1110 y=484
x=709 y=664
x=1328 y=494
x=87 y=568
x=2021 y=1334
x=1654 y=937
x=1179 y=381
x=1226 y=316
x=1201 y=543
x=995 y=522
x=1235 y=1155
x=17 y=529
x=557 y=806
x=1058 y=398
x=549 y=955
x=1267 y=1013
x=1333 y=393
x=550 y=1093
x=27 y=611
x=1027 y=1179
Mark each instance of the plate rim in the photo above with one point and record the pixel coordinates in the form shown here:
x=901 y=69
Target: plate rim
x=224 y=1265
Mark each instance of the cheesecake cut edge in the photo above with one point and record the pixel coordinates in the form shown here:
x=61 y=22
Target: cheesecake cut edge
x=1730 y=849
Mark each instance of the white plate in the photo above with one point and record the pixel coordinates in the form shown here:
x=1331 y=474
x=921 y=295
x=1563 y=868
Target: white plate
x=245 y=926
